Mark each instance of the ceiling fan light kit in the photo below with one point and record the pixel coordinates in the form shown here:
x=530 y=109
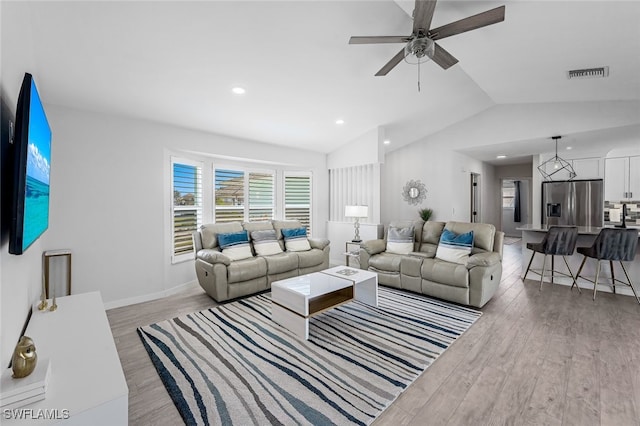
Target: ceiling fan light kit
x=420 y=45
x=419 y=50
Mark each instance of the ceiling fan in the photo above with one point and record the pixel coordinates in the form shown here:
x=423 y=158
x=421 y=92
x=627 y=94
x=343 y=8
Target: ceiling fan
x=420 y=45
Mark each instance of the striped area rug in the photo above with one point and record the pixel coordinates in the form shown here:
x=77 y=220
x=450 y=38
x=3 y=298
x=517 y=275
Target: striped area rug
x=231 y=365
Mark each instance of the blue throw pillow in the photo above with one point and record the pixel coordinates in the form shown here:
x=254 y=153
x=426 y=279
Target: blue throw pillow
x=290 y=233
x=235 y=245
x=454 y=247
x=295 y=239
x=233 y=238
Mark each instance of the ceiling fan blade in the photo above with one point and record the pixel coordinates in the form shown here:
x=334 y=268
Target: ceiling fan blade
x=443 y=58
x=480 y=20
x=422 y=15
x=391 y=64
x=378 y=39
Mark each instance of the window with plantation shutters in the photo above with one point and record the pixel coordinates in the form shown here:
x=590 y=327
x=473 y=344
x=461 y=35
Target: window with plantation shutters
x=260 y=196
x=297 y=198
x=229 y=195
x=186 y=182
x=243 y=195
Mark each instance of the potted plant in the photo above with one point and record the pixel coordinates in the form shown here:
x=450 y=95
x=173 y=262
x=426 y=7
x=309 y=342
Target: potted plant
x=425 y=214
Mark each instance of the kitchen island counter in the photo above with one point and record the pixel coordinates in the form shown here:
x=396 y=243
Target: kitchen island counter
x=586 y=237
x=582 y=230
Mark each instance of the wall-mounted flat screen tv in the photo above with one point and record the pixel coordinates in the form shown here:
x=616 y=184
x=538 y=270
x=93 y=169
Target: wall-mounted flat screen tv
x=31 y=166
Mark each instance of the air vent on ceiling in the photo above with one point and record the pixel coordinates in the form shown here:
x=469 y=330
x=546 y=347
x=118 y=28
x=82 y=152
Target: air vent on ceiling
x=599 y=72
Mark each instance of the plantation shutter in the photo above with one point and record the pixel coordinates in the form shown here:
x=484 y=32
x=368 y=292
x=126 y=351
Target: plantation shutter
x=297 y=199
x=229 y=195
x=260 y=196
x=187 y=205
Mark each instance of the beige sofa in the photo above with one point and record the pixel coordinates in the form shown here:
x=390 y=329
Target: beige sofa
x=224 y=279
x=472 y=284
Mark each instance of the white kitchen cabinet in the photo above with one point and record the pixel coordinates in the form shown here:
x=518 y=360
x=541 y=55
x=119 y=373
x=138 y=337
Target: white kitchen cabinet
x=634 y=177
x=587 y=168
x=622 y=178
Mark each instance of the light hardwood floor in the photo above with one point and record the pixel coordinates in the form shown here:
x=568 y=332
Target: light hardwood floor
x=550 y=357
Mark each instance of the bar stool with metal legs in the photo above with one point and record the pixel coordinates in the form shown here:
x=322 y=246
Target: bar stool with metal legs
x=614 y=245
x=559 y=241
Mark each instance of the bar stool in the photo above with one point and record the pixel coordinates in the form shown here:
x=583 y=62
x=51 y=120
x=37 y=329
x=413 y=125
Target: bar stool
x=614 y=245
x=559 y=241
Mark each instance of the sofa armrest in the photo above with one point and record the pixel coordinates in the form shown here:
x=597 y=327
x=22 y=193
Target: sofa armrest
x=319 y=243
x=483 y=259
x=212 y=257
x=374 y=246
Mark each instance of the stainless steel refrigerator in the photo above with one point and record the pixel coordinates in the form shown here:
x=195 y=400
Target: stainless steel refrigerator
x=575 y=202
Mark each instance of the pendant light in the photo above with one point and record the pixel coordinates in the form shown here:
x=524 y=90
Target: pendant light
x=556 y=164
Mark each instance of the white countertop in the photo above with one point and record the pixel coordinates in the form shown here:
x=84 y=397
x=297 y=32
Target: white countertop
x=582 y=230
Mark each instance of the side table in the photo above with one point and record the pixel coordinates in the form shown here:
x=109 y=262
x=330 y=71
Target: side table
x=352 y=253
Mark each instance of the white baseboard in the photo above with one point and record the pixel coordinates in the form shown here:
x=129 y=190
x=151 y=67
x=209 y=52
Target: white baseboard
x=147 y=297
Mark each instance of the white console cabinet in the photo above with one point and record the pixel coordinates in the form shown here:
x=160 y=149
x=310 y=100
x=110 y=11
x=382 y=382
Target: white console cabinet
x=87 y=381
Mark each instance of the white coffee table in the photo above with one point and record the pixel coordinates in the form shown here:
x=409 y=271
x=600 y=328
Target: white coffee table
x=295 y=300
x=365 y=282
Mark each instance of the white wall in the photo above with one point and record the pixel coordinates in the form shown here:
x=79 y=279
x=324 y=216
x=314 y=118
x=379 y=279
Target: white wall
x=365 y=149
x=445 y=174
x=20 y=279
x=110 y=197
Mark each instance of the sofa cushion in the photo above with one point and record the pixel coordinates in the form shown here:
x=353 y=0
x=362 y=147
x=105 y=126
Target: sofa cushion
x=264 y=225
x=210 y=232
x=431 y=232
x=279 y=225
x=483 y=259
x=386 y=262
x=246 y=269
x=454 y=247
x=265 y=242
x=295 y=239
x=444 y=272
x=400 y=240
x=213 y=256
x=281 y=263
x=235 y=245
x=310 y=258
x=483 y=233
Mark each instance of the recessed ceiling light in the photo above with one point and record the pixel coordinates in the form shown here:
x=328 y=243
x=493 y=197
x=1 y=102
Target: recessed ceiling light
x=386 y=142
x=339 y=121
x=501 y=156
x=239 y=90
x=568 y=148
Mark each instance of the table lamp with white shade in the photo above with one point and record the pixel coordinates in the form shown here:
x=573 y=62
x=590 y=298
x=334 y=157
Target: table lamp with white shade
x=356 y=212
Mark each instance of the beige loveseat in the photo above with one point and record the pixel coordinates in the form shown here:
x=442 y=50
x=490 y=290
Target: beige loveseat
x=420 y=271
x=224 y=279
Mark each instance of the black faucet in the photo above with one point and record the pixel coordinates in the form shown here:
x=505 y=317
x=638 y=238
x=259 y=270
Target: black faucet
x=624 y=217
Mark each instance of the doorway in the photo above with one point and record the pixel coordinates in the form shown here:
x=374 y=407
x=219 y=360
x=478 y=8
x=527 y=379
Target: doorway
x=516 y=205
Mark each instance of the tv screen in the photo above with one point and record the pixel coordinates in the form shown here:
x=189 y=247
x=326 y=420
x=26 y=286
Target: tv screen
x=32 y=156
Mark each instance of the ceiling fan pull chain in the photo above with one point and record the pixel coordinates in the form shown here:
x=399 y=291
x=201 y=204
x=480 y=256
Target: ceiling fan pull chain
x=418 y=76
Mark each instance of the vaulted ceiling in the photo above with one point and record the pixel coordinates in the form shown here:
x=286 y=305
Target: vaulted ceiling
x=176 y=62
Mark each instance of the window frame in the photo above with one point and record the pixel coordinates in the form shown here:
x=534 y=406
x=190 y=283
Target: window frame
x=247 y=171
x=309 y=174
x=190 y=255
